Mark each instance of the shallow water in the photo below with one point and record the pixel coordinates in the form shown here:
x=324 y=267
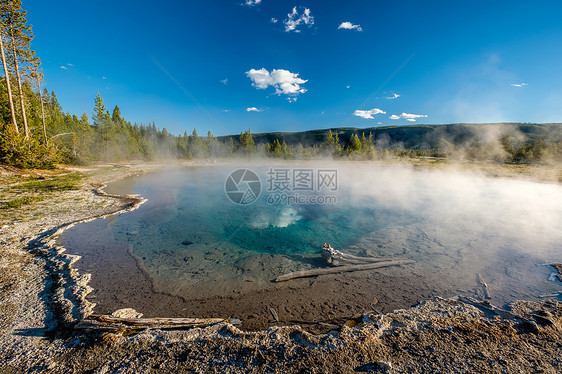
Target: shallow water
x=192 y=241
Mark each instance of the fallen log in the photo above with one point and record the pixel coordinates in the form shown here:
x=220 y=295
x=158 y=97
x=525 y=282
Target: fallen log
x=110 y=323
x=484 y=286
x=334 y=257
x=526 y=323
x=341 y=269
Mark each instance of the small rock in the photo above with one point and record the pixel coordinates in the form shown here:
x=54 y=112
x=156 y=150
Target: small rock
x=126 y=313
x=377 y=366
x=529 y=326
x=187 y=242
x=108 y=338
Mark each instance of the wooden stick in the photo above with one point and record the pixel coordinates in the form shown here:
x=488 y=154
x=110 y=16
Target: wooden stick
x=340 y=269
x=484 y=286
x=105 y=322
x=491 y=308
x=350 y=258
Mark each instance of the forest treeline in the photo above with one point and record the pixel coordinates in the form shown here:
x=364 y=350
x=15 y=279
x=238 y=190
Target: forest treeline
x=35 y=132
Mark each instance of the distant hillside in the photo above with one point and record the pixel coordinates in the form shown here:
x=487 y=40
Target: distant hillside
x=419 y=136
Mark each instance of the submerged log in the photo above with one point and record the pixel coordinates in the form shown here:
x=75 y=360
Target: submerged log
x=110 y=323
x=341 y=269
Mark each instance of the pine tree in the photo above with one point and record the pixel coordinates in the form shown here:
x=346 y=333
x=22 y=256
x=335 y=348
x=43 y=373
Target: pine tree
x=247 y=144
x=23 y=59
x=363 y=141
x=275 y=149
x=99 y=109
x=331 y=145
x=116 y=116
x=354 y=144
x=5 y=9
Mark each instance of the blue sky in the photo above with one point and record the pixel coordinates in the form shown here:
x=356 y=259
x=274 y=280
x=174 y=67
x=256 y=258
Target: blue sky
x=272 y=65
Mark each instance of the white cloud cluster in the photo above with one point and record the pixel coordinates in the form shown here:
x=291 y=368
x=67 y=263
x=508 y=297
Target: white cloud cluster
x=274 y=20
x=519 y=84
x=296 y=19
x=252 y=2
x=350 y=26
x=394 y=96
x=253 y=109
x=224 y=81
x=408 y=117
x=282 y=80
x=368 y=114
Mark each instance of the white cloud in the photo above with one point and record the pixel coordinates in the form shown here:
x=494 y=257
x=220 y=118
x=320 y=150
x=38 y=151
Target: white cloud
x=394 y=96
x=412 y=116
x=104 y=77
x=224 y=81
x=69 y=64
x=253 y=109
x=519 y=84
x=408 y=117
x=252 y=2
x=63 y=67
x=349 y=26
x=274 y=20
x=348 y=86
x=368 y=114
x=295 y=19
x=283 y=81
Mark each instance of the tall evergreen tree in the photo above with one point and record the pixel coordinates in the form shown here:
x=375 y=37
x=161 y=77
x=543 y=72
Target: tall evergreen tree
x=23 y=60
x=5 y=9
x=99 y=109
x=247 y=144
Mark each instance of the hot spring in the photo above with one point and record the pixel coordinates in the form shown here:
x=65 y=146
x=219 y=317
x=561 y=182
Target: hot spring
x=210 y=242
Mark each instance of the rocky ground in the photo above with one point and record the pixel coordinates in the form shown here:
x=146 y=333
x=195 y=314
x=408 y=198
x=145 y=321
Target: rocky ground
x=41 y=299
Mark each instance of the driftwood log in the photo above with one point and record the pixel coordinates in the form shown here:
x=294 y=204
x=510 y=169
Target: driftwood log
x=110 y=323
x=484 y=286
x=341 y=269
x=337 y=258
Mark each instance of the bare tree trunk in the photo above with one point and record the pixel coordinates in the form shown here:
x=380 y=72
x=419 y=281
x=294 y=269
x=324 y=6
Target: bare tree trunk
x=8 y=86
x=43 y=115
x=26 y=129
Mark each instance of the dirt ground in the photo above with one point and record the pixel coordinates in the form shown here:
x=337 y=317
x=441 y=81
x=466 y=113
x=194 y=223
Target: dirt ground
x=42 y=297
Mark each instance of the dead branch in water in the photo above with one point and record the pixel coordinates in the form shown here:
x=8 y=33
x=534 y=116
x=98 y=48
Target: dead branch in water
x=341 y=269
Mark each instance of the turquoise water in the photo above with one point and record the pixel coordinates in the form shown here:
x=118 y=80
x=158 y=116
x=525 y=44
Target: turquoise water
x=192 y=206
x=193 y=240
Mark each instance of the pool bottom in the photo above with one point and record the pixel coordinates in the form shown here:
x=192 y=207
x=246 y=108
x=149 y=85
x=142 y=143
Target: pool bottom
x=119 y=281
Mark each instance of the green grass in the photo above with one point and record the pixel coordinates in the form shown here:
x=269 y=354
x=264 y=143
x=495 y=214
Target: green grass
x=57 y=183
x=20 y=201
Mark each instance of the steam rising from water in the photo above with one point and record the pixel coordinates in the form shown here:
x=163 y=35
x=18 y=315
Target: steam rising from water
x=285 y=217
x=194 y=241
